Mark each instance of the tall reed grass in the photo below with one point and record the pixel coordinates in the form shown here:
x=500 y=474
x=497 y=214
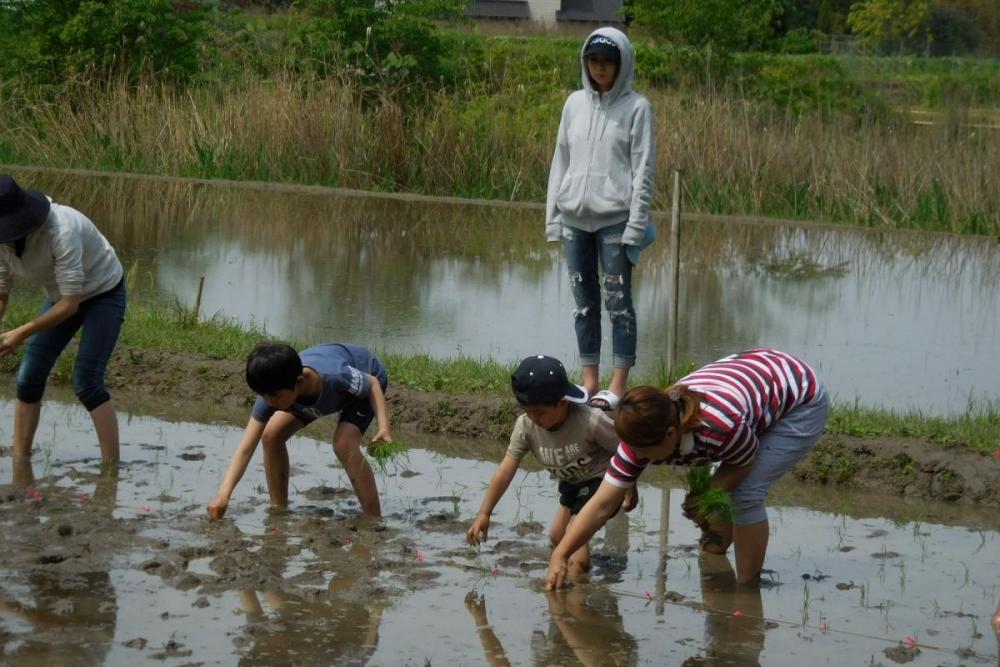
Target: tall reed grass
x=739 y=157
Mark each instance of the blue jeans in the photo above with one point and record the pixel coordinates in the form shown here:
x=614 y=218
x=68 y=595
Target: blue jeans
x=583 y=251
x=101 y=318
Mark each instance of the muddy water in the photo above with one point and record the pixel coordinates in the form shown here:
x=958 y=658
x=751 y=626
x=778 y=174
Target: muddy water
x=97 y=571
x=903 y=320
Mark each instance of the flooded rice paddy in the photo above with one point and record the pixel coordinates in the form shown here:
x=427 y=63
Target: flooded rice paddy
x=130 y=572
x=904 y=320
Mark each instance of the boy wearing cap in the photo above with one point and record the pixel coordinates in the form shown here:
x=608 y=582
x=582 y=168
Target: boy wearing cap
x=573 y=441
x=597 y=204
x=61 y=250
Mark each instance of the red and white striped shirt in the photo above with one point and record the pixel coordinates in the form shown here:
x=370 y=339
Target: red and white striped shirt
x=744 y=394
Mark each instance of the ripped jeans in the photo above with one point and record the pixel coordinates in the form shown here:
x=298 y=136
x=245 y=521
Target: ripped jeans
x=583 y=250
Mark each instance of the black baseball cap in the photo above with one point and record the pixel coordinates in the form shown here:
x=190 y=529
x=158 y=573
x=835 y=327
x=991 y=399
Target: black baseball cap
x=542 y=380
x=601 y=45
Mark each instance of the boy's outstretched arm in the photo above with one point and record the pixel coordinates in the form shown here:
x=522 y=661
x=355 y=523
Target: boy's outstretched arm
x=377 y=399
x=237 y=466
x=498 y=486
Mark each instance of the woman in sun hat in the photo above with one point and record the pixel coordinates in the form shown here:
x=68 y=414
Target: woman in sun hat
x=600 y=187
x=60 y=249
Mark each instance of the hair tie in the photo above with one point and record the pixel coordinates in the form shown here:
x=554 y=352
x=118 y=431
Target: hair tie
x=674 y=396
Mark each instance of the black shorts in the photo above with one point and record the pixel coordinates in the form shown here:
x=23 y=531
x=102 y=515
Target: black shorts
x=359 y=411
x=575 y=495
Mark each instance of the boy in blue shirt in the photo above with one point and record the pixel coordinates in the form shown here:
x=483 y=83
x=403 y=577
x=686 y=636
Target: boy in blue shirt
x=295 y=390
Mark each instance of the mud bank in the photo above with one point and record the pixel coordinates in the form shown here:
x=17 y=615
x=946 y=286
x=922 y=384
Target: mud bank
x=198 y=388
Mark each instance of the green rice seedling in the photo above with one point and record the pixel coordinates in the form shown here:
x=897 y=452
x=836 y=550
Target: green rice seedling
x=385 y=454
x=709 y=502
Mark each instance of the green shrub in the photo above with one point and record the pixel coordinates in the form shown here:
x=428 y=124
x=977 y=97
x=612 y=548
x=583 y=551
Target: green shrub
x=49 y=41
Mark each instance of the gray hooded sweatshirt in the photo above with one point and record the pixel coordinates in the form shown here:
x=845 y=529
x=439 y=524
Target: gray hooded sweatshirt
x=604 y=162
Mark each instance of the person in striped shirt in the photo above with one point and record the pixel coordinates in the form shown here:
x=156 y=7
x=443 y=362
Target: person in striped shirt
x=756 y=413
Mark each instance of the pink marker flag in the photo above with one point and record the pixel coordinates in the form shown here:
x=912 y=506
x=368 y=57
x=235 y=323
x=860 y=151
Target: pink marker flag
x=145 y=508
x=420 y=556
x=737 y=613
x=910 y=641
x=649 y=596
x=495 y=568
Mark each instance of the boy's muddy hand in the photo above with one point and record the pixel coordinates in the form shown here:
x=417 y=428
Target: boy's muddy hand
x=383 y=435
x=555 y=578
x=217 y=508
x=996 y=621
x=479 y=530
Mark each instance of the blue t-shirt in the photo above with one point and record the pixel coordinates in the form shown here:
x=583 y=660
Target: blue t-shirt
x=344 y=369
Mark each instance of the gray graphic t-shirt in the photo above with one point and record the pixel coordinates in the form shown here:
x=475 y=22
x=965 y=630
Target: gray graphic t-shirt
x=344 y=369
x=577 y=451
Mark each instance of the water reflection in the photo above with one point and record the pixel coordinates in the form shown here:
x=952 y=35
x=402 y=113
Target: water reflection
x=586 y=628
x=734 y=620
x=70 y=619
x=307 y=626
x=62 y=617
x=877 y=312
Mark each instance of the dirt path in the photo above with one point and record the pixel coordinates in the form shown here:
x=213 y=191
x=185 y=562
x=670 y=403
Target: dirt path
x=200 y=389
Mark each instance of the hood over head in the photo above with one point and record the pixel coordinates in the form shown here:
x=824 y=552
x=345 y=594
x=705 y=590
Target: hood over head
x=626 y=66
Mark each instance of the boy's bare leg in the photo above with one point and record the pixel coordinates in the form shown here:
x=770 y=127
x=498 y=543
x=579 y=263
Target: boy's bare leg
x=559 y=523
x=347 y=447
x=26 y=416
x=280 y=427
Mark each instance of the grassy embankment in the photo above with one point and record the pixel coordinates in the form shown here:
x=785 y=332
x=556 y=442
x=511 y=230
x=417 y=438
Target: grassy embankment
x=803 y=137
x=173 y=328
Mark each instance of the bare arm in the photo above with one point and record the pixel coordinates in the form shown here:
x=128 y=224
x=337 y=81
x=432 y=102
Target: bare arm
x=237 y=466
x=377 y=399
x=60 y=311
x=498 y=486
x=4 y=300
x=594 y=514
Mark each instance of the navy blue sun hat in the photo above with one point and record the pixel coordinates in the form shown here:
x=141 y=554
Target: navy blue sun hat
x=541 y=380
x=601 y=45
x=21 y=211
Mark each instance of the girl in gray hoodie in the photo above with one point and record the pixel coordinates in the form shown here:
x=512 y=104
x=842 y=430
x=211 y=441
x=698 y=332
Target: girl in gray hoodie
x=600 y=186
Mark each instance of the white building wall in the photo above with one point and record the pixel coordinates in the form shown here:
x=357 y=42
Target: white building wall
x=544 y=11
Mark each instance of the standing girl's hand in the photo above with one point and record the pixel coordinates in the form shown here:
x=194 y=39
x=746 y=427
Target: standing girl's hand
x=996 y=621
x=479 y=530
x=555 y=578
x=10 y=341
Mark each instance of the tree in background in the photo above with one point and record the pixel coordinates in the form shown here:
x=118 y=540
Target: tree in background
x=728 y=25
x=831 y=16
x=50 y=41
x=890 y=22
x=388 y=42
